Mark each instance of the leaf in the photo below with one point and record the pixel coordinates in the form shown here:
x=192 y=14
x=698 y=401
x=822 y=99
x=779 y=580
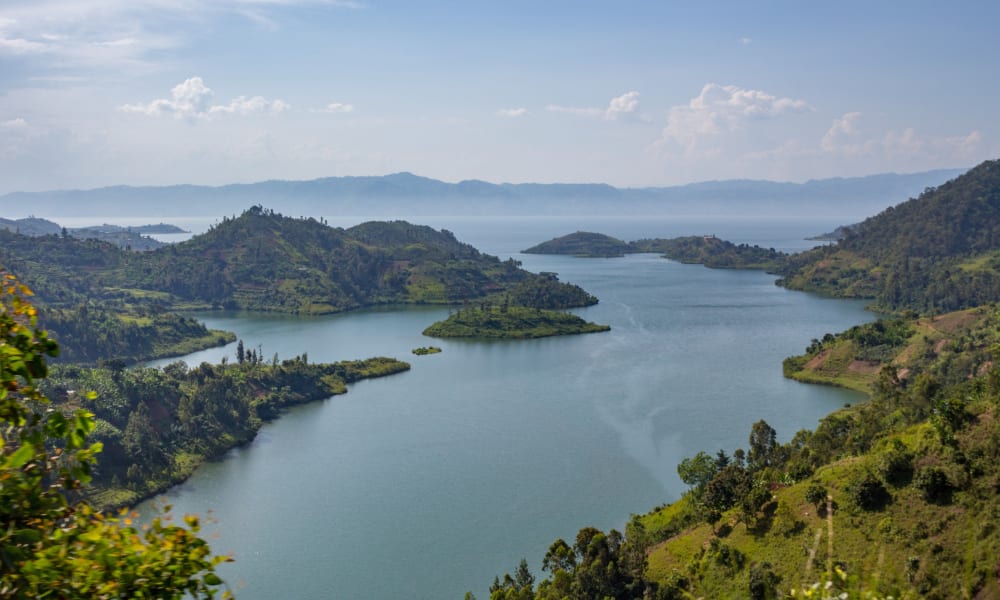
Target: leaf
x=21 y=457
x=212 y=579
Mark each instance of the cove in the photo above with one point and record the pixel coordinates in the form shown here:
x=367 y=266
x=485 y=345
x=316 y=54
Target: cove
x=428 y=483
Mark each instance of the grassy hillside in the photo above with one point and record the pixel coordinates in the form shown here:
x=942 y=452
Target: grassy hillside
x=952 y=348
x=936 y=253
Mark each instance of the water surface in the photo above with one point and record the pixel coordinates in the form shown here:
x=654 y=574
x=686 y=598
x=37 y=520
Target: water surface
x=428 y=483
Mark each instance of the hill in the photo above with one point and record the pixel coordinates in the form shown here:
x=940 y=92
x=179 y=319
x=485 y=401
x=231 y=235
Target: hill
x=936 y=253
x=409 y=194
x=262 y=260
x=583 y=244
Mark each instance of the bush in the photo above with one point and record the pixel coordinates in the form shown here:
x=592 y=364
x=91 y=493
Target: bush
x=934 y=485
x=868 y=492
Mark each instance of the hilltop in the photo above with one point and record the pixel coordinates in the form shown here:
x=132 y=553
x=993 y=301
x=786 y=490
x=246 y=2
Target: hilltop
x=262 y=260
x=938 y=252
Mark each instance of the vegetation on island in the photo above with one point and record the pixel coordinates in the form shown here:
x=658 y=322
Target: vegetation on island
x=705 y=250
x=713 y=252
x=425 y=350
x=510 y=322
x=54 y=545
x=584 y=244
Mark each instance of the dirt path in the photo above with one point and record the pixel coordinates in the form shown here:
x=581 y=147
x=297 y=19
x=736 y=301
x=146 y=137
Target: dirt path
x=812 y=551
x=829 y=539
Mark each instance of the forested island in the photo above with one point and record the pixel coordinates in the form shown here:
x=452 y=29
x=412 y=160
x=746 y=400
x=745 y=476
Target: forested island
x=705 y=250
x=510 y=322
x=892 y=497
x=584 y=244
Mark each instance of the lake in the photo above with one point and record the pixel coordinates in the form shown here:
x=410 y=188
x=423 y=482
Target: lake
x=428 y=483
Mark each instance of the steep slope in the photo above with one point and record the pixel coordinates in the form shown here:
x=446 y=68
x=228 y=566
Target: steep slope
x=938 y=252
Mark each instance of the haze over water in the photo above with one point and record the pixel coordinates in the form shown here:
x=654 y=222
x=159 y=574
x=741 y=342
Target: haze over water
x=428 y=483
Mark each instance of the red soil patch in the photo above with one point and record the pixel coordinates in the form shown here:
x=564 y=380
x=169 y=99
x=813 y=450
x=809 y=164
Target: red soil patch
x=864 y=367
x=938 y=347
x=815 y=363
x=954 y=321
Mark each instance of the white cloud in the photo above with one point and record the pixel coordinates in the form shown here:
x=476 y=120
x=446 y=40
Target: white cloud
x=17 y=123
x=721 y=109
x=842 y=135
x=620 y=106
x=846 y=138
x=116 y=33
x=251 y=106
x=190 y=100
x=512 y=112
x=336 y=108
x=746 y=41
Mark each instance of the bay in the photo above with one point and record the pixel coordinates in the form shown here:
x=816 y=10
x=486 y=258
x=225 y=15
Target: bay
x=428 y=483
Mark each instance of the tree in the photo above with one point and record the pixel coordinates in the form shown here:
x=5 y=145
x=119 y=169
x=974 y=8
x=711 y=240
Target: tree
x=763 y=444
x=55 y=547
x=697 y=470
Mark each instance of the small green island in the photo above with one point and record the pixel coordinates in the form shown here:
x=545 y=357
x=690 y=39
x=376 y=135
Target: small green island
x=424 y=350
x=706 y=250
x=512 y=322
x=583 y=244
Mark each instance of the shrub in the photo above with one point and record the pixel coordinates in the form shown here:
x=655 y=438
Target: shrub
x=934 y=485
x=868 y=492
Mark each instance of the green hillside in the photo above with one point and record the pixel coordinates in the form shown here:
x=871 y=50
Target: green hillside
x=264 y=261
x=936 y=253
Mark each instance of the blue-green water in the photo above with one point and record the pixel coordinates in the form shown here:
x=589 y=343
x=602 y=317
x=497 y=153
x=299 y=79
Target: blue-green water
x=428 y=483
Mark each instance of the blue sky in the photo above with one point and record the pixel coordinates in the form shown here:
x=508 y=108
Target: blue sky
x=102 y=92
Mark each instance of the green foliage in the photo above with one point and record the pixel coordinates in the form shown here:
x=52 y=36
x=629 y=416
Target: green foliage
x=425 y=350
x=868 y=492
x=585 y=245
x=934 y=485
x=713 y=252
x=158 y=425
x=514 y=322
x=935 y=253
x=262 y=260
x=53 y=545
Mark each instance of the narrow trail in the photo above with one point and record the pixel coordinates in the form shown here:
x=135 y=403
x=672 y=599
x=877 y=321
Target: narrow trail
x=812 y=551
x=829 y=539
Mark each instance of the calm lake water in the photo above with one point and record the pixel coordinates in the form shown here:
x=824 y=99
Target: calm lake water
x=428 y=483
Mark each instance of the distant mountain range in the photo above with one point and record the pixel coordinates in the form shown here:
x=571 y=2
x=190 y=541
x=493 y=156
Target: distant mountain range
x=406 y=194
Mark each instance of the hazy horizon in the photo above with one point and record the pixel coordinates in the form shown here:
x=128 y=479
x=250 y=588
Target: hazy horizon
x=145 y=92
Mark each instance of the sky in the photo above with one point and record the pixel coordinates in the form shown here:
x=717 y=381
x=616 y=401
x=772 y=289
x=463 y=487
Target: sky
x=631 y=93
